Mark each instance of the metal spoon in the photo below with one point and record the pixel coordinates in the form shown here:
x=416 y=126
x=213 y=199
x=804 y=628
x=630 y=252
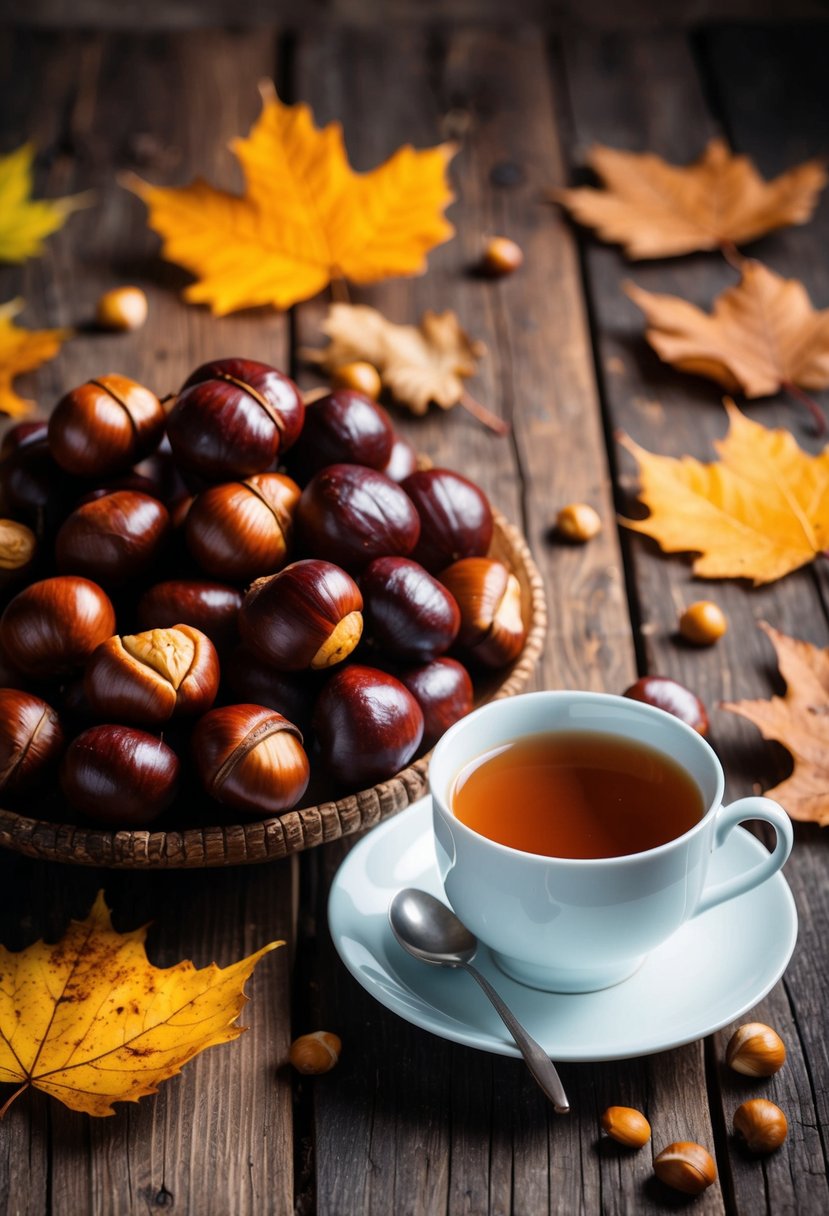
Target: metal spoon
x=432 y=933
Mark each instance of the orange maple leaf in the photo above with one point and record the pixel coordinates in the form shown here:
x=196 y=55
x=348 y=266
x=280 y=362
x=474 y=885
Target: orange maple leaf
x=90 y=1021
x=800 y=722
x=305 y=217
x=22 y=350
x=759 y=513
x=655 y=209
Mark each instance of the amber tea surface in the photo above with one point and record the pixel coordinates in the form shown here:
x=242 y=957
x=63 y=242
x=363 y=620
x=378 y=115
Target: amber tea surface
x=577 y=794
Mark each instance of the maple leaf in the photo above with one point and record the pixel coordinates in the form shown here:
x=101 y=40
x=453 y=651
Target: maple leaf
x=305 y=218
x=800 y=721
x=22 y=350
x=90 y=1021
x=759 y=513
x=26 y=222
x=655 y=209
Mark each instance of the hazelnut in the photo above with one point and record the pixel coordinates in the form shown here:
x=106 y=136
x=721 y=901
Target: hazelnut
x=315 y=1053
x=761 y=1124
x=755 y=1050
x=578 y=522
x=122 y=309
x=361 y=377
x=703 y=622
x=627 y=1125
x=501 y=256
x=686 y=1167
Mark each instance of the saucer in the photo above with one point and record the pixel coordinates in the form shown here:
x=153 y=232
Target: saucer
x=710 y=972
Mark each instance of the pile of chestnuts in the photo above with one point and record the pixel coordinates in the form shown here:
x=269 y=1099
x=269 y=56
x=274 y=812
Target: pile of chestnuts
x=232 y=597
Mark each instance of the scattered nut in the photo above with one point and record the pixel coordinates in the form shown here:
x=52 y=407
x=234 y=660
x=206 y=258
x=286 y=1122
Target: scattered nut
x=686 y=1167
x=755 y=1050
x=122 y=309
x=761 y=1124
x=627 y=1125
x=578 y=522
x=360 y=377
x=703 y=623
x=674 y=698
x=501 y=256
x=315 y=1053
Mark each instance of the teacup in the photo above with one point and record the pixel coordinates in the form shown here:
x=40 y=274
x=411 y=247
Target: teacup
x=577 y=925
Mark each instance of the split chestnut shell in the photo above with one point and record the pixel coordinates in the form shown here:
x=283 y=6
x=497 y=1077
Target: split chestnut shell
x=153 y=676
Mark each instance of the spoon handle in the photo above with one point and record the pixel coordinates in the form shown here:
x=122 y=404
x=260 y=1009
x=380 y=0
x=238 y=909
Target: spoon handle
x=537 y=1060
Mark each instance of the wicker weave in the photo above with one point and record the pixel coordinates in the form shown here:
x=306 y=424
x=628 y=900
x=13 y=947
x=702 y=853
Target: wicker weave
x=270 y=839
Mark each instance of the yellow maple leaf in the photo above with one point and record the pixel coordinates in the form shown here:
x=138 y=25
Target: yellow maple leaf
x=25 y=222
x=305 y=217
x=22 y=350
x=655 y=209
x=90 y=1021
x=759 y=513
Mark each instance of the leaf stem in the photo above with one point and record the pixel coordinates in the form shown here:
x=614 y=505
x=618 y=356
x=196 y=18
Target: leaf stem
x=794 y=390
x=474 y=407
x=339 y=290
x=732 y=255
x=8 y=1102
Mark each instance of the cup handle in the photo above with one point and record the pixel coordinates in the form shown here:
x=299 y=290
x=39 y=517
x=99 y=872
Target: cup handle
x=726 y=821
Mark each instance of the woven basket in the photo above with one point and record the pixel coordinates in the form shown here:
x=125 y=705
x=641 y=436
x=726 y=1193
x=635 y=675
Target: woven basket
x=270 y=839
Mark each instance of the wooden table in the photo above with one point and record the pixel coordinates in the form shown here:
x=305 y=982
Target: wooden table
x=408 y=1123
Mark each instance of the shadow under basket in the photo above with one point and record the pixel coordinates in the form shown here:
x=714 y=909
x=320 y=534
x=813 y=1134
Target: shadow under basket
x=280 y=835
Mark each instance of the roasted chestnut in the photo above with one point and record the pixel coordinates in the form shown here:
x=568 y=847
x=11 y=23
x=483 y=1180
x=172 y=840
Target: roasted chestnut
x=251 y=758
x=243 y=528
x=443 y=690
x=350 y=514
x=343 y=427
x=232 y=418
x=455 y=517
x=112 y=539
x=402 y=462
x=31 y=740
x=307 y=615
x=119 y=776
x=368 y=726
x=52 y=626
x=406 y=611
x=489 y=597
x=211 y=607
x=150 y=677
x=18 y=545
x=104 y=426
x=674 y=698
x=290 y=693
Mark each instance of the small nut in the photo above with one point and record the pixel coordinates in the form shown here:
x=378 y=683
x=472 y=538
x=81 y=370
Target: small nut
x=501 y=256
x=627 y=1125
x=17 y=545
x=578 y=522
x=703 y=622
x=761 y=1124
x=315 y=1053
x=755 y=1050
x=686 y=1167
x=122 y=309
x=674 y=698
x=360 y=377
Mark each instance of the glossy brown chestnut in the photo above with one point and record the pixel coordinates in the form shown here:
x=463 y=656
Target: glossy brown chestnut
x=368 y=726
x=33 y=488
x=489 y=596
x=119 y=776
x=31 y=740
x=350 y=514
x=344 y=427
x=443 y=690
x=113 y=539
x=455 y=517
x=232 y=418
x=290 y=693
x=52 y=626
x=307 y=615
x=150 y=677
x=674 y=698
x=18 y=546
x=211 y=607
x=242 y=529
x=406 y=611
x=251 y=758
x=402 y=462
x=104 y=426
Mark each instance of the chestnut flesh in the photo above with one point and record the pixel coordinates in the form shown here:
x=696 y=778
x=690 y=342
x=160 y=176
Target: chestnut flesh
x=406 y=611
x=119 y=776
x=31 y=740
x=350 y=514
x=152 y=676
x=52 y=626
x=455 y=517
x=104 y=426
x=251 y=758
x=368 y=726
x=113 y=539
x=211 y=607
x=240 y=529
x=673 y=697
x=343 y=427
x=443 y=690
